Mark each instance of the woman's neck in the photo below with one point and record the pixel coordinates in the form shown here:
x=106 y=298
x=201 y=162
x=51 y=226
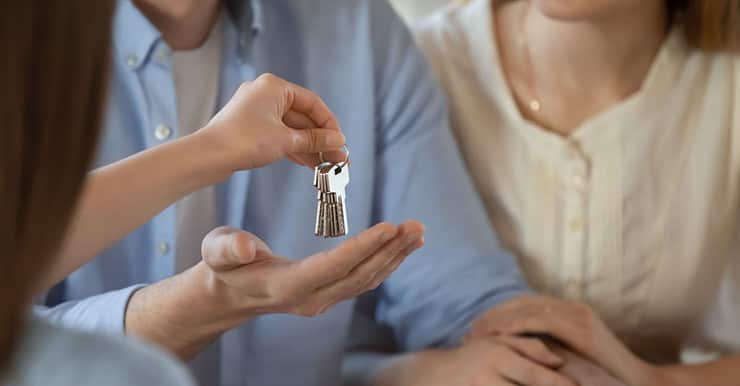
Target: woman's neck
x=616 y=52
x=576 y=69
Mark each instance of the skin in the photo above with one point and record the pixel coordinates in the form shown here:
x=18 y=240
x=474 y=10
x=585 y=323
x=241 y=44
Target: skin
x=603 y=46
x=239 y=277
x=606 y=47
x=138 y=187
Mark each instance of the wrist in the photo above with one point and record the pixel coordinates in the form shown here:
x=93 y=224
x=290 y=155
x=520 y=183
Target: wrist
x=214 y=163
x=221 y=152
x=181 y=313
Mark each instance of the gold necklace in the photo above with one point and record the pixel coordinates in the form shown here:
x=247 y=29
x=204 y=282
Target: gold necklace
x=534 y=103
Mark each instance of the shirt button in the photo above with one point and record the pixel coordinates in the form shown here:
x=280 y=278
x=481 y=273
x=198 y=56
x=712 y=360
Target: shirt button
x=576 y=224
x=163 y=247
x=579 y=182
x=132 y=60
x=162 y=132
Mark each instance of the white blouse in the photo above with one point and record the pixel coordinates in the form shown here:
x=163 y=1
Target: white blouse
x=636 y=212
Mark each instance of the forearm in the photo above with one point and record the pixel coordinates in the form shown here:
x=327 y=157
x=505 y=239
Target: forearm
x=124 y=195
x=181 y=314
x=723 y=372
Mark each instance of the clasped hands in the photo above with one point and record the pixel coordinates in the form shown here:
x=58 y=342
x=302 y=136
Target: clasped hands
x=501 y=350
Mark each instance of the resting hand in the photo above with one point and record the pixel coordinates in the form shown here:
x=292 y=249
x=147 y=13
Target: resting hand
x=583 y=371
x=269 y=119
x=490 y=361
x=573 y=323
x=252 y=280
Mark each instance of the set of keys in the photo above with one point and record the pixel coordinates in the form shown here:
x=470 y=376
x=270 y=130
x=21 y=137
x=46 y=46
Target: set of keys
x=331 y=180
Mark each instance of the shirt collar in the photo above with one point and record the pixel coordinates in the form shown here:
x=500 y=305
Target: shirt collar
x=134 y=36
x=247 y=17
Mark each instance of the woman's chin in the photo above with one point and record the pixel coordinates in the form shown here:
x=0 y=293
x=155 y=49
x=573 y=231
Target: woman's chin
x=581 y=10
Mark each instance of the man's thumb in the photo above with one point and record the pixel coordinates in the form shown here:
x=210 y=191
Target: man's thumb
x=227 y=248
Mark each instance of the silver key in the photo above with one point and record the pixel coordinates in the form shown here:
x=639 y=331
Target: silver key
x=331 y=216
x=338 y=179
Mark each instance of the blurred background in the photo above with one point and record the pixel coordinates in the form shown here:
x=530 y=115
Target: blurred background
x=414 y=9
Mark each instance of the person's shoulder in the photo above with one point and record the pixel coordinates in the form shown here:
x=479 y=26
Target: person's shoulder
x=445 y=34
x=59 y=356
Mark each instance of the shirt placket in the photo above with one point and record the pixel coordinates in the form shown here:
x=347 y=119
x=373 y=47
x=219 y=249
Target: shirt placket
x=155 y=76
x=575 y=223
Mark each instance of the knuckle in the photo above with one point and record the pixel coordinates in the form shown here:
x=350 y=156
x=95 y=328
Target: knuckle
x=267 y=77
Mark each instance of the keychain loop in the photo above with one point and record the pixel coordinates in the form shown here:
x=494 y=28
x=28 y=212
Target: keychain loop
x=341 y=164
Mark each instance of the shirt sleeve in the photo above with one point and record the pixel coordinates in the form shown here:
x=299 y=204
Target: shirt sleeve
x=101 y=313
x=463 y=270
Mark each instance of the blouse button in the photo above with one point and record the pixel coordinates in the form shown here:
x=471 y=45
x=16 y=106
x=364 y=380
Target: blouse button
x=579 y=182
x=576 y=224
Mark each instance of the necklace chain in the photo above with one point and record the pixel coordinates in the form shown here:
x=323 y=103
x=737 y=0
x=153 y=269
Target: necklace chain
x=534 y=103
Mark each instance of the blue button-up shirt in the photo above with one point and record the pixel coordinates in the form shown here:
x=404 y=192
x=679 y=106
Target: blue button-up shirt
x=359 y=57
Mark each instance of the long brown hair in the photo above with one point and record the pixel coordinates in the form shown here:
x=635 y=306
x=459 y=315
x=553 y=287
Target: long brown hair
x=52 y=81
x=710 y=25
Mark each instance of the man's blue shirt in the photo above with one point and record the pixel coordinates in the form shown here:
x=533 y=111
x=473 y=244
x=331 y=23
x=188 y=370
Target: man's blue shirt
x=359 y=57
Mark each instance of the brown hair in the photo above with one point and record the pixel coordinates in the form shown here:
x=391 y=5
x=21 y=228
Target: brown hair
x=711 y=25
x=52 y=76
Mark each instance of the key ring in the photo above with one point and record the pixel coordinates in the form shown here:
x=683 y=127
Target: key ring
x=342 y=164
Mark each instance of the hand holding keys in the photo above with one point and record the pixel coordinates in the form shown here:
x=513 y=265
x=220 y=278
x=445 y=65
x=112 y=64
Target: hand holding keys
x=331 y=180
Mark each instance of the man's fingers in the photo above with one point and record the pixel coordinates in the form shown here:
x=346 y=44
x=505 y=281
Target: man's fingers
x=316 y=140
x=487 y=324
x=299 y=121
x=375 y=269
x=531 y=348
x=525 y=372
x=549 y=325
x=409 y=228
x=226 y=248
x=327 y=267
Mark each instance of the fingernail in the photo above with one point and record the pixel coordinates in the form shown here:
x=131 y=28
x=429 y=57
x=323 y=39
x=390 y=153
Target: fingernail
x=335 y=140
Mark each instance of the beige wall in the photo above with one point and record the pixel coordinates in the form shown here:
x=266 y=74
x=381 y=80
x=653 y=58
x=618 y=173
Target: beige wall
x=414 y=9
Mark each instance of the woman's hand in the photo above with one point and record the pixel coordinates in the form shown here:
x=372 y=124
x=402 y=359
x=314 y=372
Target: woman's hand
x=489 y=361
x=573 y=323
x=253 y=281
x=269 y=119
